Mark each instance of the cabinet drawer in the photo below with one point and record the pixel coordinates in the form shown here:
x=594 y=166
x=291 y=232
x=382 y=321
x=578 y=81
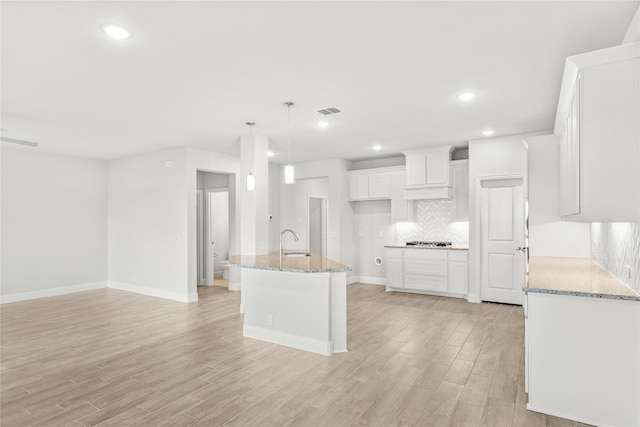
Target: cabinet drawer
x=426 y=267
x=431 y=254
x=458 y=256
x=425 y=283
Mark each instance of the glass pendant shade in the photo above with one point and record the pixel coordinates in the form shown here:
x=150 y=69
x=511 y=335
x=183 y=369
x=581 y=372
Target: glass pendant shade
x=251 y=182
x=289 y=174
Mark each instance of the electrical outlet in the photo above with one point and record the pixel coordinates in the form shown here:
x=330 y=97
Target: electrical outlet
x=269 y=320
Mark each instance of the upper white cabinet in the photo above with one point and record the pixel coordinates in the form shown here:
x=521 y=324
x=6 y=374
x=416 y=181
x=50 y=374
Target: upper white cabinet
x=460 y=190
x=401 y=209
x=427 y=173
x=598 y=122
x=371 y=184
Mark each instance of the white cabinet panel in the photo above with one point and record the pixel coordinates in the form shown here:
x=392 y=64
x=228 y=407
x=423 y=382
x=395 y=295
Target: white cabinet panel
x=371 y=184
x=598 y=122
x=401 y=209
x=379 y=187
x=421 y=282
x=416 y=170
x=458 y=278
x=394 y=268
x=438 y=168
x=460 y=190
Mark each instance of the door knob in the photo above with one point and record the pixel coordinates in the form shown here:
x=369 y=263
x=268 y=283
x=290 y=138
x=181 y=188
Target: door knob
x=523 y=249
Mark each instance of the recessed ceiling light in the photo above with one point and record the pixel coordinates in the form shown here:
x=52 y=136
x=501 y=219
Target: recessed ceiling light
x=116 y=31
x=377 y=147
x=466 y=96
x=323 y=124
x=487 y=132
x=270 y=153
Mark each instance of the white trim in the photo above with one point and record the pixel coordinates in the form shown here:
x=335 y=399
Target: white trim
x=295 y=341
x=566 y=416
x=234 y=286
x=473 y=298
x=63 y=290
x=175 y=296
x=367 y=280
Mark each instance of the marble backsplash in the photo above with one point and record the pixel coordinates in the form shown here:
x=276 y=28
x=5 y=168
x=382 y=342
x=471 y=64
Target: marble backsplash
x=616 y=247
x=433 y=223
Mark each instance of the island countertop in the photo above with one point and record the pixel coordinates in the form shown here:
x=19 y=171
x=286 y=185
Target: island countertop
x=452 y=247
x=575 y=276
x=308 y=264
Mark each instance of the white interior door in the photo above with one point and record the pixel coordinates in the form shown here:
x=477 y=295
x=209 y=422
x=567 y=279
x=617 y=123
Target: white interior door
x=317 y=225
x=217 y=231
x=503 y=237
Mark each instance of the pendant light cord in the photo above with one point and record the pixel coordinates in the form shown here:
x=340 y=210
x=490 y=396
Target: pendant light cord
x=289 y=107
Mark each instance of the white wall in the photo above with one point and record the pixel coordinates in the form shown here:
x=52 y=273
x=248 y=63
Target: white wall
x=633 y=32
x=148 y=233
x=371 y=218
x=210 y=161
x=549 y=235
x=54 y=224
x=490 y=157
x=295 y=208
x=340 y=242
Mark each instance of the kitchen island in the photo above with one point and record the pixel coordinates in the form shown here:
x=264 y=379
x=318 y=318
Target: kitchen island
x=295 y=300
x=582 y=342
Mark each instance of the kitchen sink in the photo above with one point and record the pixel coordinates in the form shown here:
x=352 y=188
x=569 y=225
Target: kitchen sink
x=297 y=254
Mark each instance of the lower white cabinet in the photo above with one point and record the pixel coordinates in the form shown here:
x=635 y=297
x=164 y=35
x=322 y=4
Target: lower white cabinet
x=458 y=273
x=394 y=268
x=431 y=271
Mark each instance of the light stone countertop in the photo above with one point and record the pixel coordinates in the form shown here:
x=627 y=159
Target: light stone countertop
x=404 y=246
x=271 y=261
x=575 y=276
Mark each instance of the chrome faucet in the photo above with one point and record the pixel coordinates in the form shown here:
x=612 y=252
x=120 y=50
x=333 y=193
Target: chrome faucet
x=295 y=237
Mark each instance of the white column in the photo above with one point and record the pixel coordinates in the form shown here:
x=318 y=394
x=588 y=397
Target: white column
x=254 y=215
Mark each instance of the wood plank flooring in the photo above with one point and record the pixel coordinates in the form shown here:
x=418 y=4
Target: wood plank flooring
x=113 y=358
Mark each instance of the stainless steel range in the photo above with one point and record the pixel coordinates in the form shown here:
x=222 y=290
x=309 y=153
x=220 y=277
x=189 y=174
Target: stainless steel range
x=429 y=244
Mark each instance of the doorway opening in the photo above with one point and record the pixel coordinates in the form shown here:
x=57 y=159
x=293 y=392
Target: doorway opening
x=317 y=224
x=503 y=256
x=212 y=228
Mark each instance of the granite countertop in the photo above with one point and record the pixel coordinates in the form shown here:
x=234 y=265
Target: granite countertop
x=575 y=276
x=271 y=261
x=453 y=247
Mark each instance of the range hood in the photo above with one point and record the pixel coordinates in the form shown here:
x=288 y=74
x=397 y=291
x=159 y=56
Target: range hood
x=427 y=173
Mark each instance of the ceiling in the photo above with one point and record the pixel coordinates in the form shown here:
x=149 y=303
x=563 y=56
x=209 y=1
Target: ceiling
x=194 y=72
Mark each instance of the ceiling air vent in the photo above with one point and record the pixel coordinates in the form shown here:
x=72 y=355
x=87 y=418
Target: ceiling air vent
x=329 y=111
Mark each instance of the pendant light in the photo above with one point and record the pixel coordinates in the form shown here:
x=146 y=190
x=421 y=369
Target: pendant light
x=289 y=172
x=251 y=178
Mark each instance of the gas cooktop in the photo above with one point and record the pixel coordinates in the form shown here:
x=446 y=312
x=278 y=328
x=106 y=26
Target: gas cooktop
x=429 y=244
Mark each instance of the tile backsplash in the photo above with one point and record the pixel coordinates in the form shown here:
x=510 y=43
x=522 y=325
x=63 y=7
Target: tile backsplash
x=616 y=247
x=433 y=223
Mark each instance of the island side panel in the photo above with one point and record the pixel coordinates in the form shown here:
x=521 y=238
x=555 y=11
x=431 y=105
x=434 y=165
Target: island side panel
x=339 y=311
x=584 y=358
x=286 y=308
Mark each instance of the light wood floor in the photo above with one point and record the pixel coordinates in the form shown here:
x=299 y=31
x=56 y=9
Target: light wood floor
x=110 y=357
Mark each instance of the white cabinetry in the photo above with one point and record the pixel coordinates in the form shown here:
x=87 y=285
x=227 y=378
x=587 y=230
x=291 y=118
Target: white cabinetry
x=370 y=184
x=430 y=271
x=426 y=270
x=458 y=273
x=427 y=173
x=460 y=190
x=401 y=209
x=598 y=122
x=394 y=268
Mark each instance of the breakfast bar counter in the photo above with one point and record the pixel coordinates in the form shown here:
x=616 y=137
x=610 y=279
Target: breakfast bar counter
x=298 y=300
x=582 y=342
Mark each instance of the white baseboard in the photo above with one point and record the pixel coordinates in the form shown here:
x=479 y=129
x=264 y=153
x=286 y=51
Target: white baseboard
x=234 y=286
x=565 y=416
x=24 y=296
x=301 y=343
x=175 y=296
x=473 y=298
x=367 y=280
